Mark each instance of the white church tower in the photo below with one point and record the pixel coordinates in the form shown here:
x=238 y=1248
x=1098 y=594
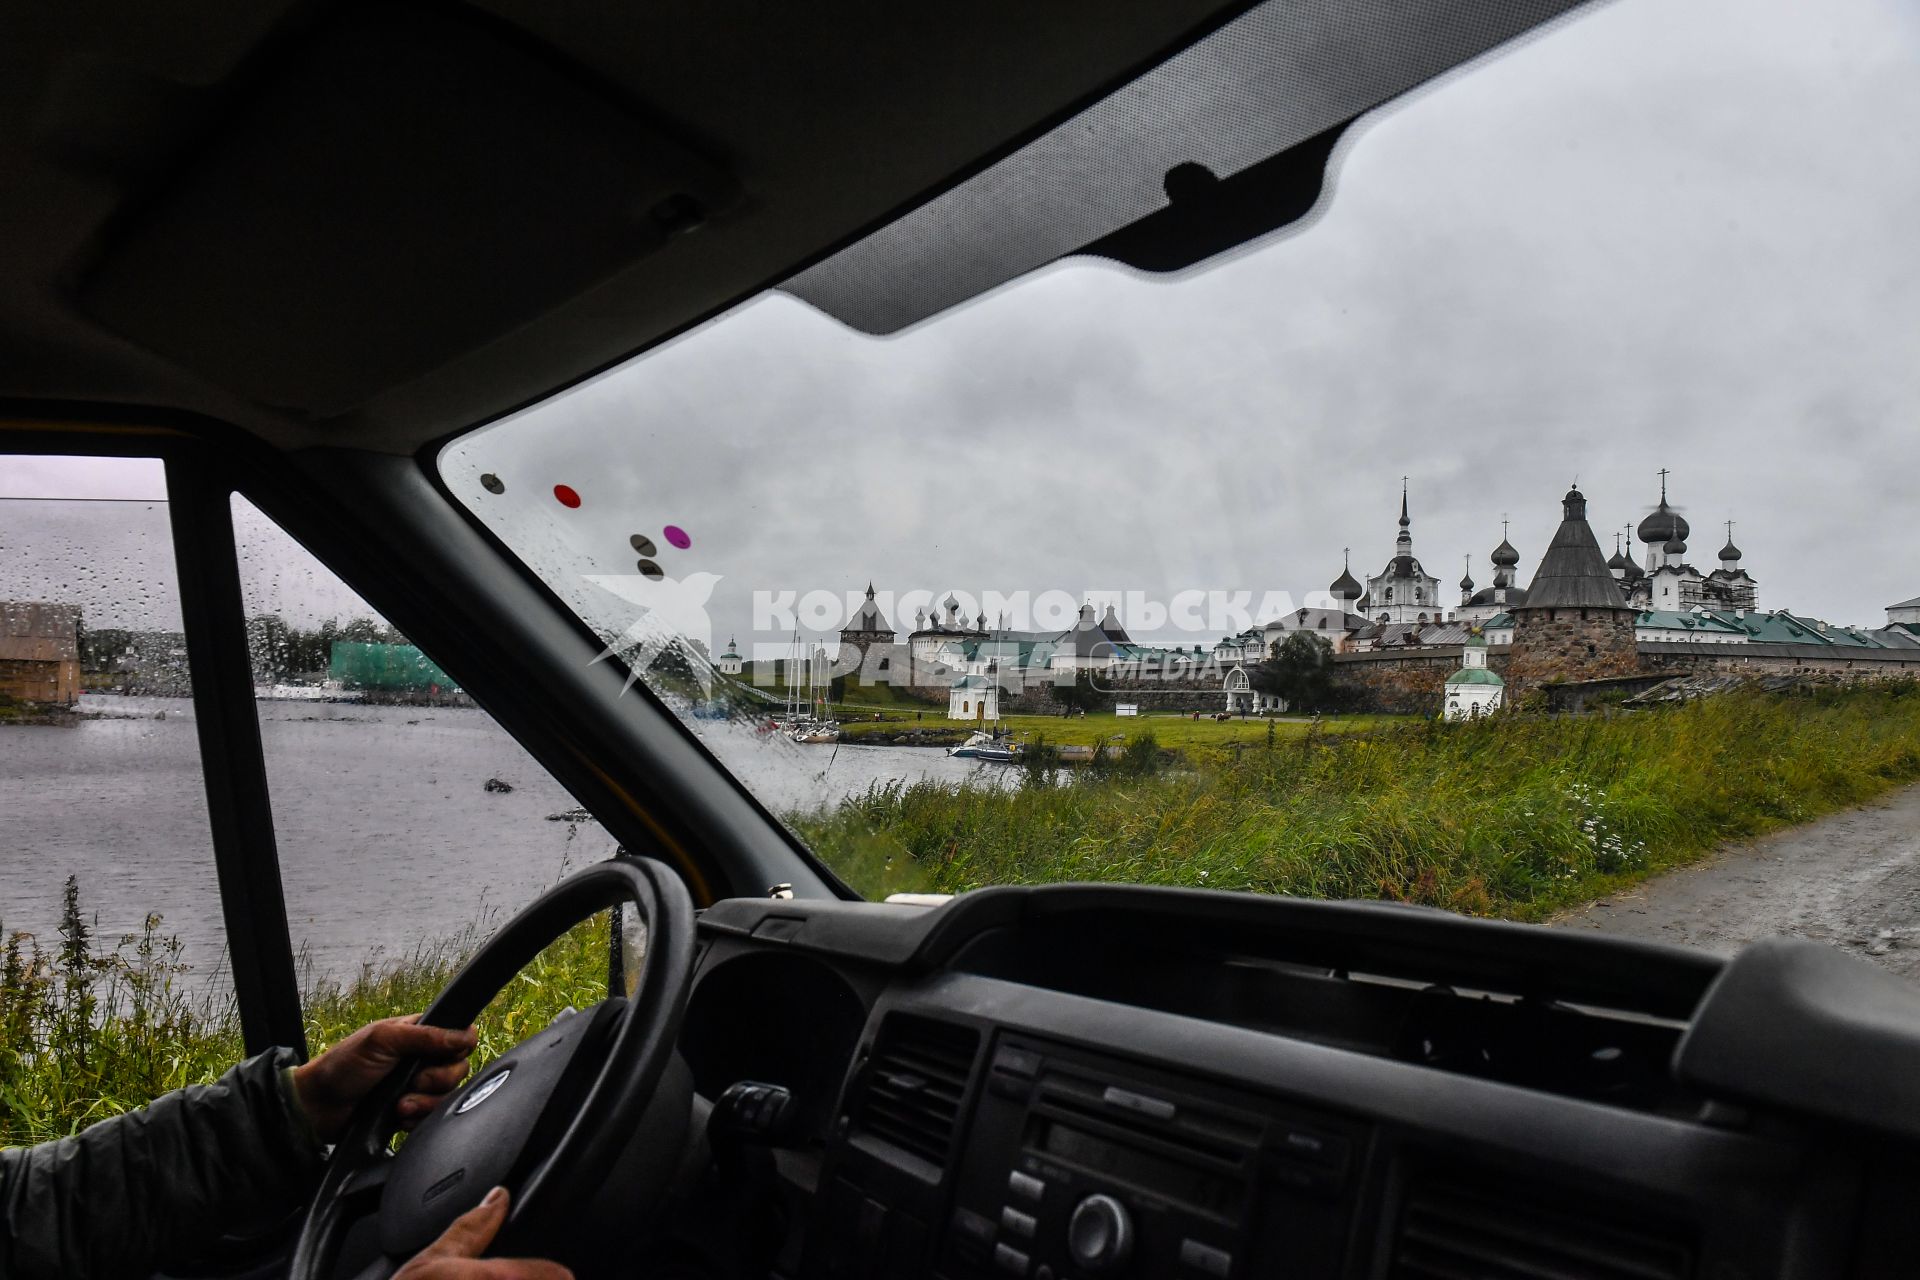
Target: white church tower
x=1474 y=690
x=1404 y=591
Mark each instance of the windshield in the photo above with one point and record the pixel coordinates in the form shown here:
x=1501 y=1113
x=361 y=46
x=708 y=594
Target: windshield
x=1520 y=525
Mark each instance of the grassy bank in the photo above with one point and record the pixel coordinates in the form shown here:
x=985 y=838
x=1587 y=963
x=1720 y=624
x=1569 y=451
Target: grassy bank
x=1177 y=733
x=91 y=1028
x=1510 y=817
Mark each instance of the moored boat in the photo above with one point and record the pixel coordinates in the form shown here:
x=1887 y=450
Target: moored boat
x=815 y=731
x=990 y=747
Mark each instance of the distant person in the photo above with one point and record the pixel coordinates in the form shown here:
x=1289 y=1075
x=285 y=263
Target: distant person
x=151 y=1189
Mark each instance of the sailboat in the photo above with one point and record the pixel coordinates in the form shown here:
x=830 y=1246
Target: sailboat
x=991 y=746
x=808 y=716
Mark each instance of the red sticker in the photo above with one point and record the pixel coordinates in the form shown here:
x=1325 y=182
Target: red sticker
x=566 y=496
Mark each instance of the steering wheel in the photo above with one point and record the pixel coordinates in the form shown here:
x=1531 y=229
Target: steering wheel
x=547 y=1119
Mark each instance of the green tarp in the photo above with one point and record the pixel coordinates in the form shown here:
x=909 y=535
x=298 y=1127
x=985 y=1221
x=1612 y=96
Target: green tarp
x=385 y=666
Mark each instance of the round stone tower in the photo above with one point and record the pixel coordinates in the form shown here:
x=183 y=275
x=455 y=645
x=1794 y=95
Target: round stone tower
x=1575 y=623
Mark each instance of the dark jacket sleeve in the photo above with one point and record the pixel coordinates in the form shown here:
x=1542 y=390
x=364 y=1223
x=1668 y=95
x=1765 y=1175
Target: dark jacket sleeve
x=159 y=1185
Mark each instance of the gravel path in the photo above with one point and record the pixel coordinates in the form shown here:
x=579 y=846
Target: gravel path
x=1852 y=879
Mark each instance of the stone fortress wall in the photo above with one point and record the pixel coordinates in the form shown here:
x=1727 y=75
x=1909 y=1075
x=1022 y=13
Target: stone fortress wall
x=1411 y=682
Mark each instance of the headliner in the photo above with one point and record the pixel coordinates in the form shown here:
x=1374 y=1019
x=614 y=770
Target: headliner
x=828 y=120
x=273 y=219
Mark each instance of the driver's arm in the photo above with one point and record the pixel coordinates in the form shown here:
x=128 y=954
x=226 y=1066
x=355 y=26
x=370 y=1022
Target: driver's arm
x=158 y=1185
x=161 y=1184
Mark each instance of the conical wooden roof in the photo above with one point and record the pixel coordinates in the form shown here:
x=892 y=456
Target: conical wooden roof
x=1573 y=574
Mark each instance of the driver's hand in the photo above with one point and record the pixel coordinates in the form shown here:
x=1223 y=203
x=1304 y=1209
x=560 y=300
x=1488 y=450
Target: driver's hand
x=332 y=1084
x=456 y=1254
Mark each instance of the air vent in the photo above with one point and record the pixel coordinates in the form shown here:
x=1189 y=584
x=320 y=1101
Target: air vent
x=914 y=1084
x=1454 y=1230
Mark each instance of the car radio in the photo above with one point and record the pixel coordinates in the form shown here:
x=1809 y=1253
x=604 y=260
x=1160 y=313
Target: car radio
x=1077 y=1166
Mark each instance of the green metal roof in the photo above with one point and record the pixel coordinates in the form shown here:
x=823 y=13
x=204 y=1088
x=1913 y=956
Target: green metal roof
x=1475 y=675
x=1686 y=620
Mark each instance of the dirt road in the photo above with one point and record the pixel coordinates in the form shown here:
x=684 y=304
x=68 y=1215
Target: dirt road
x=1852 y=879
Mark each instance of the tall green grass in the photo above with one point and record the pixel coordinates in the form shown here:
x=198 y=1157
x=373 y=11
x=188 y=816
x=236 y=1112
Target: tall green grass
x=90 y=1029
x=1510 y=816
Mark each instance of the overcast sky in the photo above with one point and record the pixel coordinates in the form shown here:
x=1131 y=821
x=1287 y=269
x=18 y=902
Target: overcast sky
x=1668 y=233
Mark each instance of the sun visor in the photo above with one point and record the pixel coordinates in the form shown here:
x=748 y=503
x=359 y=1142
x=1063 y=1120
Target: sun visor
x=402 y=184
x=1223 y=142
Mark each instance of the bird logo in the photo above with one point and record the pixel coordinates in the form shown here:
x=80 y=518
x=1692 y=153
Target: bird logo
x=673 y=615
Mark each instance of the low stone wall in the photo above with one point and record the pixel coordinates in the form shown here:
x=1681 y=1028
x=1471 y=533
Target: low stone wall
x=1577 y=694
x=1150 y=695
x=1814 y=662
x=1402 y=681
x=1412 y=681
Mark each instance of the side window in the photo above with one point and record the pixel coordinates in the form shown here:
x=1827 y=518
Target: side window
x=115 y=984
x=409 y=823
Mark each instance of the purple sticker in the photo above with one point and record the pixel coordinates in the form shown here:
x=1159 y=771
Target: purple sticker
x=677 y=536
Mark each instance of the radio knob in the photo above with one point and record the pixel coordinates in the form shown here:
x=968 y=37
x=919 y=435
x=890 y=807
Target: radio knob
x=1100 y=1233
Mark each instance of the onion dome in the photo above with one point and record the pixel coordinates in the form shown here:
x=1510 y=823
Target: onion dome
x=1663 y=524
x=1344 y=587
x=1617 y=562
x=1675 y=546
x=1729 y=552
x=1504 y=556
x=1466 y=581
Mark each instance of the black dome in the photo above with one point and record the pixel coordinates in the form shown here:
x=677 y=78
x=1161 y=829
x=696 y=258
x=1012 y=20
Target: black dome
x=1675 y=546
x=1663 y=524
x=1505 y=556
x=1515 y=596
x=1617 y=561
x=1344 y=587
x=1729 y=552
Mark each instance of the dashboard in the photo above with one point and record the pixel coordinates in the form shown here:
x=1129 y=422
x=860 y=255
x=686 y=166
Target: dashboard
x=1083 y=1081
